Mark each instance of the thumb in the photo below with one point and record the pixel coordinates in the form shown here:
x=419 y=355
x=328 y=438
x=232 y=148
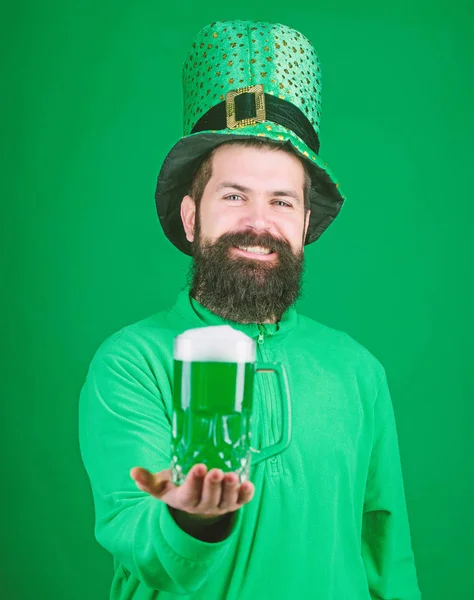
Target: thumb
x=141 y=475
x=155 y=484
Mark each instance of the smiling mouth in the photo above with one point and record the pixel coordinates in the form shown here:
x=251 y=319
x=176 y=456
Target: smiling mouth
x=256 y=252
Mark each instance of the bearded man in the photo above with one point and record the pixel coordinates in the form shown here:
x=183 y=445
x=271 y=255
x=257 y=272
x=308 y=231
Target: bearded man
x=243 y=192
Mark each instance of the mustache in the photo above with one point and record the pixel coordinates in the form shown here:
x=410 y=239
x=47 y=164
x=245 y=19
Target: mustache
x=249 y=238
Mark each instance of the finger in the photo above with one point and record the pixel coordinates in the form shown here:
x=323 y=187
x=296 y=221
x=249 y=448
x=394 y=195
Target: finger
x=191 y=489
x=246 y=492
x=155 y=484
x=211 y=491
x=141 y=476
x=230 y=491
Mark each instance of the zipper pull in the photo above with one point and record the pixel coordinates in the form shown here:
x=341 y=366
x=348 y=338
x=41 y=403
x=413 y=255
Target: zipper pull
x=261 y=335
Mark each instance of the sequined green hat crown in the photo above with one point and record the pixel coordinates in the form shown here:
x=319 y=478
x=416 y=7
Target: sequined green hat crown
x=245 y=79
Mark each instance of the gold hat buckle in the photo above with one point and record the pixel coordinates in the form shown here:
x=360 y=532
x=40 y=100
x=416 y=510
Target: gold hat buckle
x=260 y=113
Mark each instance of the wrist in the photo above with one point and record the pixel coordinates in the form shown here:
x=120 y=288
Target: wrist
x=203 y=527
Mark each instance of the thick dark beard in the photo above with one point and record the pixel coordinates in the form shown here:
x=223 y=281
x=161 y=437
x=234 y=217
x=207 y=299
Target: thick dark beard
x=242 y=289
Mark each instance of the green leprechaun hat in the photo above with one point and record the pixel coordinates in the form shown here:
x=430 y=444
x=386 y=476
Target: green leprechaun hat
x=245 y=79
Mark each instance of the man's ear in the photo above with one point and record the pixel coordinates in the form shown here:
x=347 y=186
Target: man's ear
x=188 y=216
x=306 y=225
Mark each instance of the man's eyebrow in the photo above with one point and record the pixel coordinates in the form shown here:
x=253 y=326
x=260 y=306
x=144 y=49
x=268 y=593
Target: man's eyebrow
x=245 y=190
x=230 y=184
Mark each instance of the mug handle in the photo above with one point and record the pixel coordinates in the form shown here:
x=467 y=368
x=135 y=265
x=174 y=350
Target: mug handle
x=285 y=400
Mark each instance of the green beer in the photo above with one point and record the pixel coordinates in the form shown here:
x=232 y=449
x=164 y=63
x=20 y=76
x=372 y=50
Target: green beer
x=213 y=385
x=212 y=413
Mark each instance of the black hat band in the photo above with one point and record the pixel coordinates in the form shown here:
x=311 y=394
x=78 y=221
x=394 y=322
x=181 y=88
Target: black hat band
x=248 y=104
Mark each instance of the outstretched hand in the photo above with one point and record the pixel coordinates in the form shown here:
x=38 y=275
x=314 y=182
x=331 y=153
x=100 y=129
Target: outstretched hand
x=205 y=495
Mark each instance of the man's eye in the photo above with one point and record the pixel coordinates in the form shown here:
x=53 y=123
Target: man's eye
x=231 y=196
x=283 y=203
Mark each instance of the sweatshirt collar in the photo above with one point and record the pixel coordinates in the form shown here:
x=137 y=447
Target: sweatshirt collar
x=200 y=316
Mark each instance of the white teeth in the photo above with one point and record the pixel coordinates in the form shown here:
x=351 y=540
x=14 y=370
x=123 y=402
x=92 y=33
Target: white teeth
x=255 y=249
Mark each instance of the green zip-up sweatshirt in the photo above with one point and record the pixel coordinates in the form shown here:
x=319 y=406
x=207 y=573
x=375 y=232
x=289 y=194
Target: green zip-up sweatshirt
x=328 y=520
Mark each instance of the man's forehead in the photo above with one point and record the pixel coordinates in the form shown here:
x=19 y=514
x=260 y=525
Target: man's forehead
x=280 y=165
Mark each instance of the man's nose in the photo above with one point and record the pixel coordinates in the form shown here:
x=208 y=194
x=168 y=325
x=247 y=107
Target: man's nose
x=258 y=216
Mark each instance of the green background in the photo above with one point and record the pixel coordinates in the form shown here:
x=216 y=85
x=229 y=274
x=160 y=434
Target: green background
x=91 y=103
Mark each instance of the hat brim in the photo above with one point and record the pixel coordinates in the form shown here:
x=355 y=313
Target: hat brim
x=179 y=166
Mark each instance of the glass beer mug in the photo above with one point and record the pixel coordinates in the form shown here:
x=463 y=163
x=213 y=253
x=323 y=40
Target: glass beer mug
x=214 y=370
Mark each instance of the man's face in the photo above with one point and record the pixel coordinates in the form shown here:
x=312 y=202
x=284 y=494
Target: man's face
x=248 y=236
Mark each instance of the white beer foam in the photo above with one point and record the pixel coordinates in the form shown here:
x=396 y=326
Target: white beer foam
x=217 y=343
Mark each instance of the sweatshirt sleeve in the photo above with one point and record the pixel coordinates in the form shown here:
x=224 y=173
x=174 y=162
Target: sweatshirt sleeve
x=386 y=542
x=123 y=423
